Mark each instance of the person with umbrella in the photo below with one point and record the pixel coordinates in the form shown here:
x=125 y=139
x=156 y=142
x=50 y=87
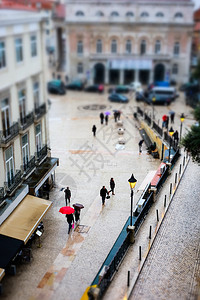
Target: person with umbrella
x=70 y=220
x=106 y=119
x=68 y=211
x=77 y=207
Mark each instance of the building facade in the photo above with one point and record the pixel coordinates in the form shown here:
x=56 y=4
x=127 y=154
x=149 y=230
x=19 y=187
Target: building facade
x=117 y=42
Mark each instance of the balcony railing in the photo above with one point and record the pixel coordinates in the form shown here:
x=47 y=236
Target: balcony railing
x=26 y=121
x=1 y=194
x=8 y=134
x=41 y=154
x=13 y=182
x=40 y=111
x=28 y=165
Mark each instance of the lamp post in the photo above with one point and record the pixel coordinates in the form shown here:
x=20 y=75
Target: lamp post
x=171 y=132
x=132 y=181
x=153 y=101
x=182 y=118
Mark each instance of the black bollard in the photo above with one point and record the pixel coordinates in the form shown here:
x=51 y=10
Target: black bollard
x=165 y=201
x=140 y=252
x=183 y=161
x=170 y=188
x=150 y=232
x=180 y=170
x=157 y=215
x=175 y=178
x=128 y=279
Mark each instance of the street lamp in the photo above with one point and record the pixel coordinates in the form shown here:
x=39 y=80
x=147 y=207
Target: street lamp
x=182 y=118
x=171 y=132
x=153 y=101
x=132 y=181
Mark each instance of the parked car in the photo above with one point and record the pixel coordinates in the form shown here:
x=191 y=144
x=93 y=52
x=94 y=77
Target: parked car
x=76 y=85
x=135 y=86
x=161 y=95
x=119 y=89
x=114 y=97
x=140 y=96
x=97 y=88
x=56 y=87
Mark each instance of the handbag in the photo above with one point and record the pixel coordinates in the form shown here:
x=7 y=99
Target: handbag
x=73 y=225
x=107 y=197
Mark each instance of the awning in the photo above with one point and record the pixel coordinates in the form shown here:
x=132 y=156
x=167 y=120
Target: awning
x=40 y=175
x=2 y=273
x=147 y=180
x=25 y=218
x=8 y=250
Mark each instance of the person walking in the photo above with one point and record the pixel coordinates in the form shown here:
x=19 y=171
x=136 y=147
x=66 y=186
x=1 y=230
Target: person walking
x=94 y=129
x=112 y=186
x=103 y=193
x=70 y=220
x=140 y=146
x=106 y=119
x=101 y=117
x=77 y=214
x=115 y=115
x=172 y=115
x=67 y=195
x=118 y=114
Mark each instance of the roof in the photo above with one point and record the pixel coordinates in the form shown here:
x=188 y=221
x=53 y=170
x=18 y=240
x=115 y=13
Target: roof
x=29 y=5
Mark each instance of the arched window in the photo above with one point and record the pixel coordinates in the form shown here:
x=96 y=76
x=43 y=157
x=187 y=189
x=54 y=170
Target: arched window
x=80 y=68
x=144 y=14
x=99 y=14
x=157 y=47
x=178 y=15
x=99 y=46
x=80 y=48
x=114 y=14
x=143 y=47
x=114 y=46
x=175 y=69
x=79 y=13
x=129 y=14
x=176 y=48
x=159 y=14
x=128 y=46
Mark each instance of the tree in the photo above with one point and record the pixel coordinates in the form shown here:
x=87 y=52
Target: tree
x=191 y=141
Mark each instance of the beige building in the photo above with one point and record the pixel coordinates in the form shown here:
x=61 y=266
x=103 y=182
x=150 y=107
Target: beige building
x=117 y=42
x=25 y=161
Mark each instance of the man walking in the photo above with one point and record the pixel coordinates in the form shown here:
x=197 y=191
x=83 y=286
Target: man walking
x=103 y=193
x=112 y=185
x=94 y=129
x=67 y=195
x=101 y=117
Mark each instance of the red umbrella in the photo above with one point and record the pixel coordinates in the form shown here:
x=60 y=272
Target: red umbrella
x=78 y=205
x=67 y=210
x=164 y=117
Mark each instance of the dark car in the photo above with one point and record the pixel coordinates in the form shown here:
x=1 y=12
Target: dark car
x=96 y=88
x=76 y=85
x=56 y=87
x=119 y=89
x=114 y=97
x=140 y=96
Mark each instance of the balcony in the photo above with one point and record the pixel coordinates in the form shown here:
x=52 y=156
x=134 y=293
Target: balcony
x=28 y=166
x=41 y=155
x=13 y=183
x=1 y=194
x=27 y=121
x=7 y=135
x=40 y=111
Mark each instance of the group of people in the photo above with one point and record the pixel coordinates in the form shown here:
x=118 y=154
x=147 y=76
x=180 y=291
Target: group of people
x=105 y=193
x=70 y=217
x=102 y=116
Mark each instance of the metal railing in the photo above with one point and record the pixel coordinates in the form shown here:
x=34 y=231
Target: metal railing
x=1 y=193
x=139 y=111
x=157 y=128
x=147 y=119
x=13 y=182
x=8 y=134
x=40 y=111
x=26 y=121
x=28 y=165
x=41 y=153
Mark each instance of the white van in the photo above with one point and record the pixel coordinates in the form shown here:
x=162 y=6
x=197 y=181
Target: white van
x=162 y=95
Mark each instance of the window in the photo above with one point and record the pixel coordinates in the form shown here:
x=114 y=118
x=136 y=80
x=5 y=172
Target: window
x=2 y=55
x=128 y=46
x=176 y=48
x=79 y=13
x=129 y=14
x=159 y=15
x=9 y=165
x=38 y=137
x=144 y=14
x=178 y=15
x=80 y=68
x=157 y=47
x=33 y=46
x=19 y=50
x=114 y=14
x=36 y=94
x=175 y=69
x=22 y=105
x=99 y=46
x=80 y=47
x=143 y=47
x=99 y=14
x=25 y=151
x=5 y=116
x=114 y=46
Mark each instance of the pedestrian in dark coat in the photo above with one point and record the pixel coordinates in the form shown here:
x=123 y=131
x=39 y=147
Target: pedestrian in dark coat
x=70 y=220
x=77 y=214
x=172 y=115
x=67 y=195
x=112 y=185
x=167 y=122
x=176 y=138
x=94 y=129
x=118 y=114
x=140 y=145
x=103 y=193
x=106 y=119
x=101 y=117
x=115 y=116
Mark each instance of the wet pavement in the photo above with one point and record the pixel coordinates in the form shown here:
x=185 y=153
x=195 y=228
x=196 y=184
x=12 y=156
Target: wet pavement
x=66 y=264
